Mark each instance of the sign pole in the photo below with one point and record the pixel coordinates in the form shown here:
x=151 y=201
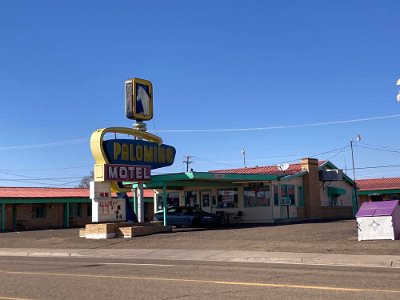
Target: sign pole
x=139 y=125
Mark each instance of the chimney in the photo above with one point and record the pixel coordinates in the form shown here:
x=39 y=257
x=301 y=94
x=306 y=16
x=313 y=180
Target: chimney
x=312 y=198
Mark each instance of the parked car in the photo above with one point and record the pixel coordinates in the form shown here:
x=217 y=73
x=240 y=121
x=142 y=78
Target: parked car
x=188 y=216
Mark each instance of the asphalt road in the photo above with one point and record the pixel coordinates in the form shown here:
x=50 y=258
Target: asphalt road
x=56 y=278
x=326 y=237
x=159 y=277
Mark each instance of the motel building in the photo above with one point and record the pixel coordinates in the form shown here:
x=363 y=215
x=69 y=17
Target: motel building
x=378 y=189
x=31 y=208
x=310 y=189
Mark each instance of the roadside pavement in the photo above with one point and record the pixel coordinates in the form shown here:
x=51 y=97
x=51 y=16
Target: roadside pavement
x=324 y=243
x=388 y=261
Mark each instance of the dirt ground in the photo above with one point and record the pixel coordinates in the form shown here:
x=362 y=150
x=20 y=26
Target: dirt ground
x=339 y=237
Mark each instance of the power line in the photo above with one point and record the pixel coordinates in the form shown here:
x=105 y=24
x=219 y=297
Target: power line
x=374 y=167
x=392 y=146
x=379 y=149
x=60 y=143
x=279 y=127
x=42 y=183
x=81 y=140
x=318 y=154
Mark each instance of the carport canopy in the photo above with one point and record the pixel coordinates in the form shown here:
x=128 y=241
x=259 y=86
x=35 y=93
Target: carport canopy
x=178 y=181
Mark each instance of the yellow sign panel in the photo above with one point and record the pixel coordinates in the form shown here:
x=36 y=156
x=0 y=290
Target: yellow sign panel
x=100 y=156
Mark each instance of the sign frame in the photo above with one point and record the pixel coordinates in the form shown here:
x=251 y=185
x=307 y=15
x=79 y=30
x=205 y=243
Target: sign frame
x=138 y=99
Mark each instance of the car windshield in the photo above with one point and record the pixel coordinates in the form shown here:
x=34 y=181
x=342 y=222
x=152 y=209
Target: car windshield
x=185 y=210
x=171 y=209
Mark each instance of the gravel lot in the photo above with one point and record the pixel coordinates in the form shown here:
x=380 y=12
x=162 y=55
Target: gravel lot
x=339 y=237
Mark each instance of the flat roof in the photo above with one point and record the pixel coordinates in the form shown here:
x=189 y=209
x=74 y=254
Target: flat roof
x=179 y=180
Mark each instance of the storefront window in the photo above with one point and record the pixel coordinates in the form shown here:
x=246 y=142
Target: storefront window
x=172 y=200
x=256 y=196
x=227 y=198
x=287 y=191
x=205 y=199
x=191 y=199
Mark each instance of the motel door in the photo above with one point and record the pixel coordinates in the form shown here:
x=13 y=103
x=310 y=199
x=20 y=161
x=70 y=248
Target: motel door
x=205 y=200
x=288 y=210
x=276 y=209
x=191 y=199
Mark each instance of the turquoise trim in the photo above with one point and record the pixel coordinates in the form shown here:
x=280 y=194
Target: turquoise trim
x=135 y=201
x=380 y=192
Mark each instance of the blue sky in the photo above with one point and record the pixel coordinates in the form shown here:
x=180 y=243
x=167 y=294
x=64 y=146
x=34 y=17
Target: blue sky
x=290 y=69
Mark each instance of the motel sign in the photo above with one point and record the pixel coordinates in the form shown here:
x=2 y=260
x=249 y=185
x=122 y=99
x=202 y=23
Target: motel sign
x=126 y=173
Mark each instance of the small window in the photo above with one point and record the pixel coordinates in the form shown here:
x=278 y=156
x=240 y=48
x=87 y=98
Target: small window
x=191 y=199
x=75 y=209
x=172 y=200
x=257 y=196
x=227 y=198
x=38 y=211
x=287 y=191
x=205 y=199
x=333 y=200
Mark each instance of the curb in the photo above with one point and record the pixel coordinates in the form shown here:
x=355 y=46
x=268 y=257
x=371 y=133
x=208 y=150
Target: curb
x=261 y=257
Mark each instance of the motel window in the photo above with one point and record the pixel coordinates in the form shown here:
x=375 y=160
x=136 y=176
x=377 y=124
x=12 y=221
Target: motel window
x=227 y=198
x=38 y=211
x=333 y=200
x=287 y=191
x=191 y=199
x=276 y=195
x=75 y=209
x=257 y=196
x=205 y=199
x=172 y=200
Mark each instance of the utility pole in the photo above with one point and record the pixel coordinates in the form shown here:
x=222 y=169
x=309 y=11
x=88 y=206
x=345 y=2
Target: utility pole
x=187 y=161
x=356 y=138
x=244 y=157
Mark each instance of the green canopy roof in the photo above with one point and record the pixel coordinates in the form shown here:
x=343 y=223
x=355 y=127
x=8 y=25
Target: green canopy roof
x=335 y=191
x=180 y=180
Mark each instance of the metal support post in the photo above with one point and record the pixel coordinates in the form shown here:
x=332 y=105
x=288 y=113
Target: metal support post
x=139 y=125
x=165 y=204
